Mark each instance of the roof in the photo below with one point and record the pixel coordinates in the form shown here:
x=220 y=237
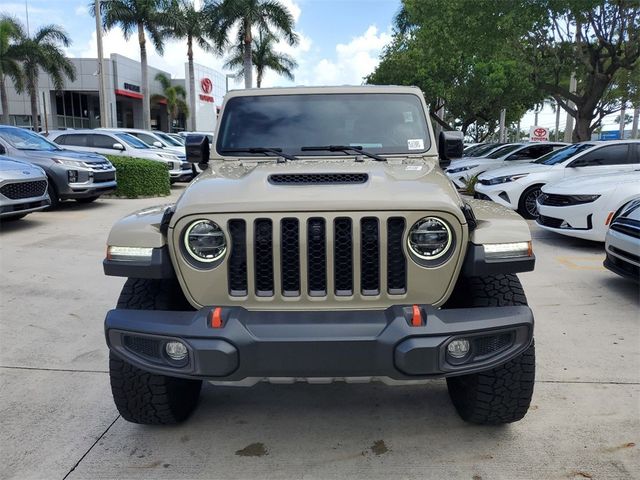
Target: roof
x=323 y=90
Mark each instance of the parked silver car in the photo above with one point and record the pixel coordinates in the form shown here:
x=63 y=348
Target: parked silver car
x=622 y=244
x=23 y=189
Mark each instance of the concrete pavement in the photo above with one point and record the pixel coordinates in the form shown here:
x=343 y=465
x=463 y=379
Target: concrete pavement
x=58 y=419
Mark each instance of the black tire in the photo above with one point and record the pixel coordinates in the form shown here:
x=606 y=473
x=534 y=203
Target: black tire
x=140 y=396
x=527 y=206
x=503 y=394
x=87 y=199
x=53 y=195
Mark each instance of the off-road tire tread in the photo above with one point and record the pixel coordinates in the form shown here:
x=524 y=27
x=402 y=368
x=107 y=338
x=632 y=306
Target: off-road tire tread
x=503 y=394
x=140 y=396
x=150 y=399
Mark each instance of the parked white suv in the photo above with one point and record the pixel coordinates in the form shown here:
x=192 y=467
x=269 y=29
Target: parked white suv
x=123 y=145
x=461 y=171
x=152 y=139
x=519 y=186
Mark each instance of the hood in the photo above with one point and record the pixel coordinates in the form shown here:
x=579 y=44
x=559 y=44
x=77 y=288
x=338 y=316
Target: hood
x=68 y=154
x=11 y=168
x=515 y=170
x=465 y=162
x=396 y=185
x=592 y=184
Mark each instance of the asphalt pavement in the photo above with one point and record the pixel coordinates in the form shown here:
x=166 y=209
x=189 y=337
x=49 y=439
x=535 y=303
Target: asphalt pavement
x=57 y=418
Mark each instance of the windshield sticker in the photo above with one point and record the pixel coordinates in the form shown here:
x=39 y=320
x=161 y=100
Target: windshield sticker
x=408 y=117
x=415 y=144
x=366 y=145
x=414 y=167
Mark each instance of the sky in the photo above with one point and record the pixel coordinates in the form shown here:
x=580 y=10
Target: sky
x=340 y=41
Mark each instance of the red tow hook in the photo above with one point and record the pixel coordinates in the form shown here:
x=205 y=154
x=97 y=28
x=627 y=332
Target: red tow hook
x=215 y=318
x=416 y=318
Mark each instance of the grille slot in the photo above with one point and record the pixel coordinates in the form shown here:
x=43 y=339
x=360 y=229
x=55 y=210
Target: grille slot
x=263 y=248
x=317 y=178
x=491 y=344
x=554 y=200
x=317 y=257
x=627 y=226
x=549 y=221
x=238 y=258
x=396 y=260
x=343 y=256
x=147 y=347
x=16 y=191
x=290 y=256
x=369 y=256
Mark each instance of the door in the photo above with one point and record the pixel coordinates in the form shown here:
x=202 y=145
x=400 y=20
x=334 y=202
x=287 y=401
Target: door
x=74 y=141
x=530 y=153
x=606 y=159
x=104 y=144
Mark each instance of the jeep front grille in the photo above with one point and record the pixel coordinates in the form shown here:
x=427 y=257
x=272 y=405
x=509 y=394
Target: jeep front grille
x=317 y=256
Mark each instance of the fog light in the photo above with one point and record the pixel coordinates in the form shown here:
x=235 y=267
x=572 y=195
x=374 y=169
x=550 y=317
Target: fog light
x=176 y=351
x=72 y=175
x=458 y=348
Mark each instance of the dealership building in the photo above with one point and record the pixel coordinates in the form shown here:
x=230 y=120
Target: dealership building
x=77 y=104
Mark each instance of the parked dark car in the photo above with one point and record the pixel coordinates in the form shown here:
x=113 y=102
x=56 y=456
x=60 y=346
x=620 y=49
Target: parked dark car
x=72 y=175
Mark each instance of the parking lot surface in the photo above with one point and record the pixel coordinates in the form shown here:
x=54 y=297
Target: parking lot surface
x=58 y=419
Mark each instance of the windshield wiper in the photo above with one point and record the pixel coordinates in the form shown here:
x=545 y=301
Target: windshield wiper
x=345 y=149
x=265 y=150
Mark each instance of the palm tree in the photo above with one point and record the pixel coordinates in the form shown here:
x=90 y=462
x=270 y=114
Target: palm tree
x=174 y=95
x=10 y=32
x=264 y=57
x=142 y=16
x=265 y=15
x=185 y=21
x=44 y=51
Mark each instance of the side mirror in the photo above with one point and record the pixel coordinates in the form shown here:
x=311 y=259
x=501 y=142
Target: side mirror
x=118 y=146
x=157 y=144
x=197 y=149
x=450 y=146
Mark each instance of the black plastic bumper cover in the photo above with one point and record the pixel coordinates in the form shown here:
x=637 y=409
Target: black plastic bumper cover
x=365 y=343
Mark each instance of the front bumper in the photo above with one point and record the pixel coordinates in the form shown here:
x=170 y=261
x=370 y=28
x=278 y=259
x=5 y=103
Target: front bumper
x=574 y=221
x=10 y=208
x=338 y=344
x=505 y=194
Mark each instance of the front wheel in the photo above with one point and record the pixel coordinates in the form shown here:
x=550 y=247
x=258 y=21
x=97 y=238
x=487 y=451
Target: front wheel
x=140 y=396
x=528 y=206
x=502 y=394
x=53 y=195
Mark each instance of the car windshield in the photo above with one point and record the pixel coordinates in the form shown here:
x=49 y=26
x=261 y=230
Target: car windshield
x=563 y=154
x=502 y=151
x=27 y=140
x=379 y=123
x=132 y=141
x=480 y=150
x=168 y=140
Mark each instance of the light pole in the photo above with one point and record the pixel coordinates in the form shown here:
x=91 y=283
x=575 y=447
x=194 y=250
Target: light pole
x=102 y=79
x=226 y=81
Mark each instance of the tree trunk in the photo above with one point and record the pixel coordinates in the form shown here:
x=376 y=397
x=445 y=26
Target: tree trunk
x=146 y=104
x=248 y=64
x=33 y=98
x=634 y=125
x=582 y=130
x=5 y=100
x=259 y=73
x=192 y=84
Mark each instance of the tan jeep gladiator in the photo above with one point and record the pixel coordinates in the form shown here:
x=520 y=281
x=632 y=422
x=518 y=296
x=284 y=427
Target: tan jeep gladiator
x=322 y=242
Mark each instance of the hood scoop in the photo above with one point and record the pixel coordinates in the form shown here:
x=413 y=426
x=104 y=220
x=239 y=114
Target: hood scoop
x=318 y=178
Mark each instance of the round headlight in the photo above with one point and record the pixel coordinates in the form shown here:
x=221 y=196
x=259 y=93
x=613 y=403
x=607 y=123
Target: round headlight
x=430 y=238
x=204 y=240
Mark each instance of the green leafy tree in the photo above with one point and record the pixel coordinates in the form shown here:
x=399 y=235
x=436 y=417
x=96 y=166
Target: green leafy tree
x=138 y=16
x=264 y=57
x=43 y=51
x=245 y=15
x=174 y=95
x=185 y=21
x=11 y=32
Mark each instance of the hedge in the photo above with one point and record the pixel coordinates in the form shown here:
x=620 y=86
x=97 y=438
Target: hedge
x=138 y=177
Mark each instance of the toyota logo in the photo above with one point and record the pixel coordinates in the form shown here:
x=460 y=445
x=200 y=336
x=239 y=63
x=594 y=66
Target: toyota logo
x=540 y=132
x=206 y=85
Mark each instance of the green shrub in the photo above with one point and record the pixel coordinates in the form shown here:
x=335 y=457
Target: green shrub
x=138 y=177
x=470 y=187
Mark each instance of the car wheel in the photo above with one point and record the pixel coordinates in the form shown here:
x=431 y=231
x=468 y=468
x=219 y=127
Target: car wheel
x=528 y=207
x=141 y=396
x=502 y=394
x=53 y=195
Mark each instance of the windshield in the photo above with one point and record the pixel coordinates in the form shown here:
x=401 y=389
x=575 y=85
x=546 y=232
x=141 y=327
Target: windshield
x=379 y=123
x=563 y=154
x=131 y=140
x=168 y=140
x=27 y=140
x=480 y=150
x=502 y=151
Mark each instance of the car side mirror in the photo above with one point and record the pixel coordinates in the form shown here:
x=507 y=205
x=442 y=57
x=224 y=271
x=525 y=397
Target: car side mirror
x=450 y=146
x=118 y=146
x=158 y=144
x=197 y=149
